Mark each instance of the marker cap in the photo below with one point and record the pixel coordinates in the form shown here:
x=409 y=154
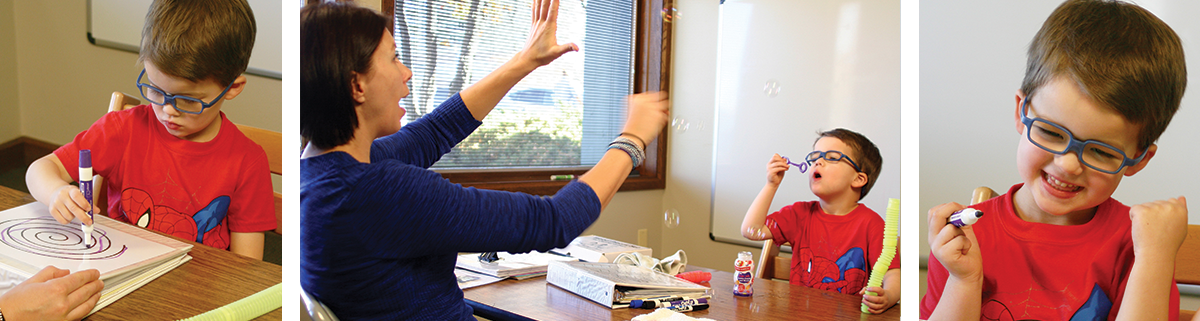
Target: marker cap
x=85 y=158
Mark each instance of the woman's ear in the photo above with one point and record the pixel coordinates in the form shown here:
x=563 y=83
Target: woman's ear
x=358 y=88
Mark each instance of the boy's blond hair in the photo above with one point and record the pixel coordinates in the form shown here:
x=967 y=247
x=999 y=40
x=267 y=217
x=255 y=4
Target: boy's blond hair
x=199 y=39
x=1119 y=54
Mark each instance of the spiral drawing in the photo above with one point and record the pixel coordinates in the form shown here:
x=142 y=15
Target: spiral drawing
x=46 y=237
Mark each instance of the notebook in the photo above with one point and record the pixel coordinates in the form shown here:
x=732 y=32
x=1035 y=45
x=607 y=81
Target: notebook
x=615 y=285
x=518 y=266
x=126 y=256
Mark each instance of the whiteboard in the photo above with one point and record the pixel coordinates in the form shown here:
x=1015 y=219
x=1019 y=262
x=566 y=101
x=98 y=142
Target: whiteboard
x=788 y=69
x=118 y=24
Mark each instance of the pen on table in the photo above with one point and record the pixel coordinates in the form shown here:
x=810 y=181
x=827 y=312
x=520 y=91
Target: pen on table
x=85 y=186
x=561 y=177
x=689 y=308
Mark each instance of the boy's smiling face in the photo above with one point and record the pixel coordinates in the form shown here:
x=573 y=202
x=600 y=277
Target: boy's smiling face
x=827 y=179
x=196 y=128
x=1058 y=188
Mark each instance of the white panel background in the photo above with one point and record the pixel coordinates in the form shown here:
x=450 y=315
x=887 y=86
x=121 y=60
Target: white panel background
x=837 y=64
x=118 y=24
x=972 y=62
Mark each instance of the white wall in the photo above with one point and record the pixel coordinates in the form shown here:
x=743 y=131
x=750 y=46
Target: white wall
x=63 y=83
x=10 y=124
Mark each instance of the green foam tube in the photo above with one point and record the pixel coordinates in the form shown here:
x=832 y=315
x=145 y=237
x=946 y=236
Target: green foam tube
x=890 y=232
x=247 y=308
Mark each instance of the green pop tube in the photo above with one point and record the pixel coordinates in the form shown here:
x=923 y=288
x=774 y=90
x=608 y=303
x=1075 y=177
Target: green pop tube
x=247 y=308
x=891 y=225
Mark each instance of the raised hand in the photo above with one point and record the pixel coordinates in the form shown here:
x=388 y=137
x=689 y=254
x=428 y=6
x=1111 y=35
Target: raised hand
x=956 y=248
x=1159 y=226
x=542 y=46
x=775 y=169
x=648 y=114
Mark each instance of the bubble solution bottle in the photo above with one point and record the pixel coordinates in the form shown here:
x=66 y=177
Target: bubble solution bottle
x=743 y=274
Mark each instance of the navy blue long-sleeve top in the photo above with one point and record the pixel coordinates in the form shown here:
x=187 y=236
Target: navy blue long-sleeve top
x=379 y=241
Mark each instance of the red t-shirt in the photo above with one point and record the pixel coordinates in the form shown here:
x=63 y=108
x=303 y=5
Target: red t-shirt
x=1045 y=271
x=196 y=191
x=830 y=252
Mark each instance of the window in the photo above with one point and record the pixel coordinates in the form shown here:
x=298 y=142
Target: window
x=559 y=119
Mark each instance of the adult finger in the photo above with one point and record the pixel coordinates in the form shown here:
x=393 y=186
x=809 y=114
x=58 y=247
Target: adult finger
x=44 y=275
x=553 y=16
x=544 y=10
x=76 y=280
x=84 y=308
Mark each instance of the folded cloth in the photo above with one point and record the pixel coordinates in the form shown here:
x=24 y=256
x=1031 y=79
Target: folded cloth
x=667 y=315
x=670 y=265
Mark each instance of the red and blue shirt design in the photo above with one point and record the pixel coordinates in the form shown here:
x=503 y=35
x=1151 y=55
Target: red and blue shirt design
x=196 y=191
x=1037 y=271
x=830 y=252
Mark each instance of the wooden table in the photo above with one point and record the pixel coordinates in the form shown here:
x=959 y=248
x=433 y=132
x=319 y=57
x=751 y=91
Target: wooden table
x=212 y=279
x=773 y=300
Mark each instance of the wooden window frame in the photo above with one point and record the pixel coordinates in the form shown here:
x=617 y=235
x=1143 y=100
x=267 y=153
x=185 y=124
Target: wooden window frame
x=652 y=72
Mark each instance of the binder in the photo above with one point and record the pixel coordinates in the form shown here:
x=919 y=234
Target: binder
x=615 y=285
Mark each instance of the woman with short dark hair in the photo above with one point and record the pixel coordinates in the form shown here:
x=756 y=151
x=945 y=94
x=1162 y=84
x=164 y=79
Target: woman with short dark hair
x=380 y=231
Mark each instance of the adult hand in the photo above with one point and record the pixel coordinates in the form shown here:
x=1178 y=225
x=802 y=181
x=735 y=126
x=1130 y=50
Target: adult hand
x=956 y=248
x=647 y=115
x=542 y=46
x=775 y=169
x=1159 y=226
x=69 y=203
x=53 y=294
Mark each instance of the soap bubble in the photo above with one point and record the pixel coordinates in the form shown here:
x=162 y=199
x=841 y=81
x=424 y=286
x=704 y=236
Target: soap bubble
x=771 y=88
x=669 y=14
x=671 y=218
x=680 y=124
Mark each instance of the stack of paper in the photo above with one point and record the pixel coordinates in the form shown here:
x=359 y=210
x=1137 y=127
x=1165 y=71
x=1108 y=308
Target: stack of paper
x=593 y=248
x=517 y=266
x=126 y=256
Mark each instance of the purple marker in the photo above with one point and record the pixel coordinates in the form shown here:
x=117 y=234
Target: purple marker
x=85 y=185
x=966 y=216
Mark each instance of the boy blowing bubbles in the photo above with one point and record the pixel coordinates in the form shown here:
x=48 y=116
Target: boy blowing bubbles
x=835 y=240
x=1103 y=80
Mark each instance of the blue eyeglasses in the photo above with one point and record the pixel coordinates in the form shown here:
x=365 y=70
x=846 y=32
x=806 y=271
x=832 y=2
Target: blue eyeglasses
x=183 y=104
x=832 y=156
x=1056 y=139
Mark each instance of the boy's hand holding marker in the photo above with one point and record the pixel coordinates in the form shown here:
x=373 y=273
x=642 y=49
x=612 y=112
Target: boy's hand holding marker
x=955 y=247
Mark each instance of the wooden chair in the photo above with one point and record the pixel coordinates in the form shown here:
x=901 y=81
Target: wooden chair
x=1187 y=261
x=771 y=265
x=271 y=142
x=981 y=194
x=1187 y=264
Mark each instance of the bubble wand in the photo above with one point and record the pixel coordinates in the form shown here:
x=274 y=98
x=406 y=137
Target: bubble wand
x=802 y=166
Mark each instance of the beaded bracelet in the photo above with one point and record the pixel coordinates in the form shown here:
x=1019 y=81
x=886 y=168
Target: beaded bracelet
x=637 y=155
x=643 y=141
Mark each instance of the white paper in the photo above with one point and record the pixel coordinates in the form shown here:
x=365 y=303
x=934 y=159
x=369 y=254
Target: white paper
x=30 y=239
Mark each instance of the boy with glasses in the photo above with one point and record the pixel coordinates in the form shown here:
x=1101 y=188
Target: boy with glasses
x=835 y=240
x=1103 y=81
x=176 y=165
